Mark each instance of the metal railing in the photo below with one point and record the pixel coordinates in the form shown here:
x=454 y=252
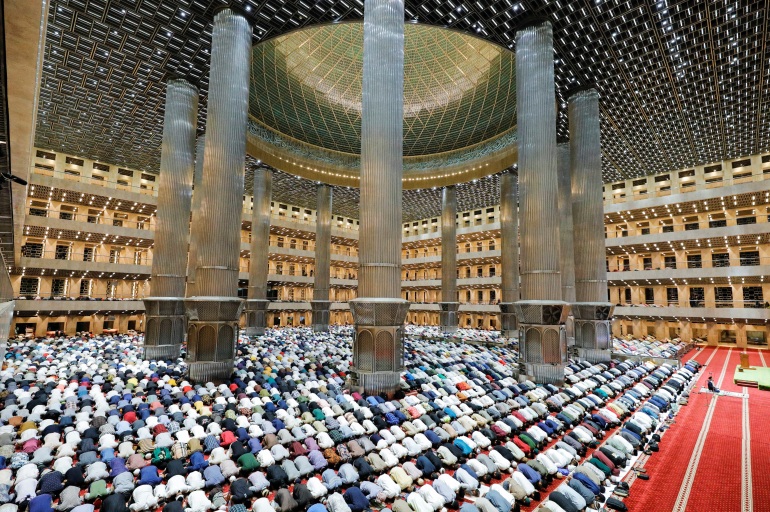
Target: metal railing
x=745 y=261
x=463 y=276
x=299 y=220
x=92 y=297
x=150 y=190
x=684 y=187
x=92 y=219
x=460 y=250
x=656 y=227
x=701 y=303
x=85 y=257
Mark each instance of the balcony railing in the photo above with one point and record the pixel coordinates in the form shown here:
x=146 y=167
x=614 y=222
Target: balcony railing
x=739 y=261
x=438 y=276
x=91 y=219
x=85 y=257
x=77 y=297
x=655 y=227
x=700 y=303
x=684 y=187
x=105 y=183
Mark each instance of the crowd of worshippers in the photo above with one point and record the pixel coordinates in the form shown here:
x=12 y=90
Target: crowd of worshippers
x=86 y=425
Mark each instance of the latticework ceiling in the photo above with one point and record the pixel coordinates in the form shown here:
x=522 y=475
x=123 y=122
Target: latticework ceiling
x=681 y=82
x=458 y=90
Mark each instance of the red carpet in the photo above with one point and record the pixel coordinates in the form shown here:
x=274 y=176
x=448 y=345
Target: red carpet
x=717 y=482
x=667 y=467
x=721 y=459
x=759 y=413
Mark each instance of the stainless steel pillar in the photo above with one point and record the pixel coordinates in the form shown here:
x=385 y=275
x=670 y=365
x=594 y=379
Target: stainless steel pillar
x=215 y=310
x=323 y=245
x=567 y=252
x=449 y=304
x=195 y=224
x=509 y=253
x=541 y=312
x=592 y=310
x=379 y=312
x=256 y=304
x=566 y=230
x=164 y=308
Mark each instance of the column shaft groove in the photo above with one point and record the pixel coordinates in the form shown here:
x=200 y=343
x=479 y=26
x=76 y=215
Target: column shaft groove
x=566 y=229
x=536 y=117
x=260 y=233
x=225 y=157
x=177 y=162
x=164 y=309
x=587 y=200
x=215 y=309
x=449 y=244
x=382 y=149
x=195 y=224
x=509 y=237
x=323 y=241
x=379 y=312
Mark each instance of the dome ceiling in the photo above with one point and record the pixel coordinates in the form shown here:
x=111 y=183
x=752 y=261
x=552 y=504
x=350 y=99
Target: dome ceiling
x=458 y=90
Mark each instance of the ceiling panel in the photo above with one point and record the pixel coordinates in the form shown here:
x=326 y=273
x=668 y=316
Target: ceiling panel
x=681 y=82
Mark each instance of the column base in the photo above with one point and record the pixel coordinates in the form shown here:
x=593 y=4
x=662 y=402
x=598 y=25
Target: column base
x=212 y=334
x=593 y=341
x=321 y=314
x=378 y=345
x=508 y=321
x=448 y=321
x=164 y=330
x=256 y=318
x=542 y=340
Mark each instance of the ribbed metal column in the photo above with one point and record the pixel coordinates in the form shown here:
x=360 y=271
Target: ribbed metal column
x=566 y=243
x=538 y=190
x=215 y=310
x=509 y=252
x=541 y=312
x=323 y=246
x=195 y=224
x=567 y=255
x=379 y=312
x=164 y=309
x=592 y=310
x=257 y=302
x=449 y=304
x=587 y=200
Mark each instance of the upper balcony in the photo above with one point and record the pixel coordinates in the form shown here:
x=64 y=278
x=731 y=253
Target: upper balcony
x=78 y=306
x=719 y=269
x=703 y=189
x=66 y=221
x=477 y=281
x=720 y=314
x=81 y=262
x=702 y=232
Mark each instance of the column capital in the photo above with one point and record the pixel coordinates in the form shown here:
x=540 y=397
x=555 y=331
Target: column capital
x=178 y=80
x=532 y=22
x=231 y=9
x=583 y=91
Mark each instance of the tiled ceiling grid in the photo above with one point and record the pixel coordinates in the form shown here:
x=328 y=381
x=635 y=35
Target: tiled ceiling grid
x=681 y=83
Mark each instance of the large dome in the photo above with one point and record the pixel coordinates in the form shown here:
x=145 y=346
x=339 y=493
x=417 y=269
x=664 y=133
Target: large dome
x=459 y=91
